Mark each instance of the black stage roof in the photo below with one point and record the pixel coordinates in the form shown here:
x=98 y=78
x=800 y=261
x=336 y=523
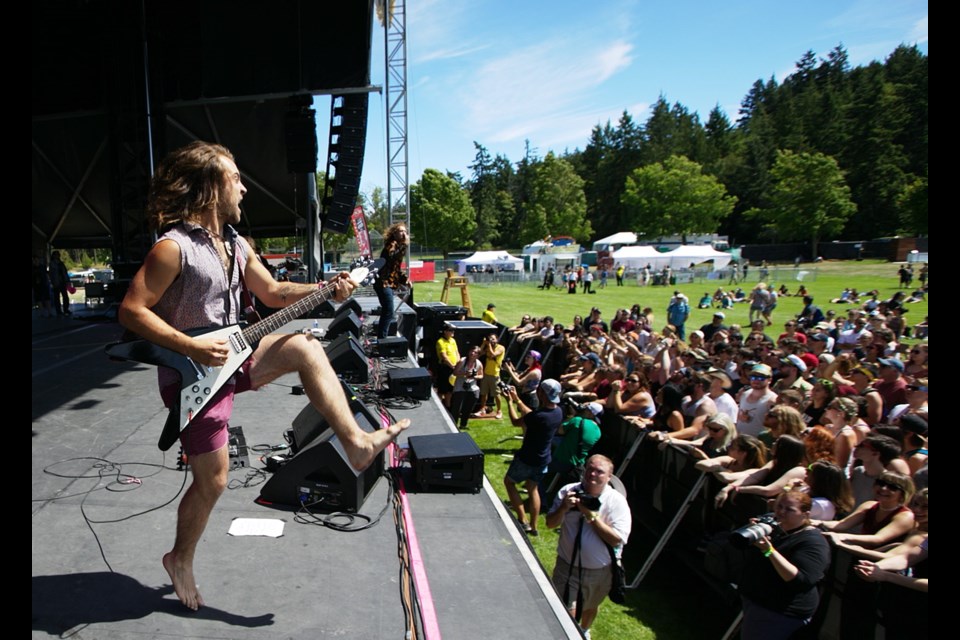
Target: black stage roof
x=117 y=84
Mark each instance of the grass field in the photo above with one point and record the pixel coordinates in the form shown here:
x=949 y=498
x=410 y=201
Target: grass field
x=671 y=602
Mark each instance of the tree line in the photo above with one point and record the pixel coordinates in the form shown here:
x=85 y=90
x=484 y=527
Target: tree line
x=831 y=152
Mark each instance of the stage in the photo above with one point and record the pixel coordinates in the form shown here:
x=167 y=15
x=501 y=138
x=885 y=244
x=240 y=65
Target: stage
x=104 y=504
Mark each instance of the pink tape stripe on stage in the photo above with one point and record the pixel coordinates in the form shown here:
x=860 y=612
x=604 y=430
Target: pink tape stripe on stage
x=428 y=613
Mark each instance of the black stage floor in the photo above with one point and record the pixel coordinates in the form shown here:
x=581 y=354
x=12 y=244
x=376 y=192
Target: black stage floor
x=104 y=507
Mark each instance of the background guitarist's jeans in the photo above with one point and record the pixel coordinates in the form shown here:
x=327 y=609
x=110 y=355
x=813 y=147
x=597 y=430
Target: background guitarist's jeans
x=387 y=309
x=208 y=431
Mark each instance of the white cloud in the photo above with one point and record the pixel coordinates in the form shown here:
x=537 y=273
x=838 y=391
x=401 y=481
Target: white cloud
x=517 y=94
x=918 y=33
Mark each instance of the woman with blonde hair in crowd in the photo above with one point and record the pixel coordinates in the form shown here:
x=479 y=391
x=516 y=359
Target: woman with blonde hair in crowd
x=781 y=420
x=721 y=430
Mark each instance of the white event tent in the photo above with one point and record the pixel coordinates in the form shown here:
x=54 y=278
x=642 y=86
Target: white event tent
x=637 y=257
x=499 y=260
x=683 y=256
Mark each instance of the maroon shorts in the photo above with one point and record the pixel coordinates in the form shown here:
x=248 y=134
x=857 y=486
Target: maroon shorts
x=208 y=430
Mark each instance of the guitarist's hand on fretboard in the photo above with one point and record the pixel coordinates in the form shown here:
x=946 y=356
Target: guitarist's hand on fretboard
x=344 y=286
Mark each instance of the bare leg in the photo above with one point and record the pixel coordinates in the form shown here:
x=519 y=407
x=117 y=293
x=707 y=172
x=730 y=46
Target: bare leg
x=209 y=481
x=515 y=500
x=534 y=497
x=278 y=355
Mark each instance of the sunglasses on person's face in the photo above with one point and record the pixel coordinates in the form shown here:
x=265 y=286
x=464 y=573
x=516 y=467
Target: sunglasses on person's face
x=889 y=485
x=758 y=378
x=913 y=387
x=632 y=380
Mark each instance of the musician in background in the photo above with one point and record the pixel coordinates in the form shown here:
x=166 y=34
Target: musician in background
x=192 y=278
x=392 y=278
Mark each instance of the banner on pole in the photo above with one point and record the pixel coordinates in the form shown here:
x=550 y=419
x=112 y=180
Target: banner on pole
x=360 y=230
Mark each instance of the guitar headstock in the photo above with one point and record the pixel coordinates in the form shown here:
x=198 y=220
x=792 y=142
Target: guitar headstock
x=364 y=270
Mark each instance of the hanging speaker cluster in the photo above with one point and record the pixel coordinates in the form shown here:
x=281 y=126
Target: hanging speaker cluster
x=348 y=132
x=300 y=130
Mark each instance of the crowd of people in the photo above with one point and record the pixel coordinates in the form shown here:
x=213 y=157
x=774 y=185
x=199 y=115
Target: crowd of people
x=827 y=419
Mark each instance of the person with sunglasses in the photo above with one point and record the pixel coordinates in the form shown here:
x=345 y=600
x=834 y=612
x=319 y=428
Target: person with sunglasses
x=631 y=397
x=756 y=401
x=883 y=520
x=916 y=365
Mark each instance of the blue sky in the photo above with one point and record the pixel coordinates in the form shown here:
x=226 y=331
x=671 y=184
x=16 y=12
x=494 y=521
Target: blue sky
x=502 y=72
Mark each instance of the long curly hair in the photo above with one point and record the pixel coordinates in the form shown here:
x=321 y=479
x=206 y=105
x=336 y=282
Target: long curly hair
x=186 y=183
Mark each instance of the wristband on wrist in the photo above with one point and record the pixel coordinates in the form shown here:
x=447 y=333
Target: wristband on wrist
x=768 y=552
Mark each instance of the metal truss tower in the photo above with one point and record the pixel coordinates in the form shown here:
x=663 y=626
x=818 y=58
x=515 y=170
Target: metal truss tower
x=395 y=52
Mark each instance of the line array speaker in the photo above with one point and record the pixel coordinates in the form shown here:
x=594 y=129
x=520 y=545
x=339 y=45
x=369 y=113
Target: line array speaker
x=348 y=130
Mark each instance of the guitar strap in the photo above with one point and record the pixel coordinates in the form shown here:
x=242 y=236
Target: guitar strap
x=249 y=308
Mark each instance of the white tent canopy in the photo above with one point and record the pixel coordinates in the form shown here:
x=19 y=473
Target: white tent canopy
x=637 y=257
x=499 y=260
x=624 y=237
x=683 y=256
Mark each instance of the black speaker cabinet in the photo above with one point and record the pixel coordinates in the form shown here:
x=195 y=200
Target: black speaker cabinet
x=344 y=323
x=320 y=476
x=411 y=383
x=347 y=358
x=325 y=309
x=470 y=333
x=392 y=347
x=447 y=460
x=350 y=305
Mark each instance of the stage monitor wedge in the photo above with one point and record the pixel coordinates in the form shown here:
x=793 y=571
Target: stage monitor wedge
x=347 y=322
x=348 y=359
x=319 y=476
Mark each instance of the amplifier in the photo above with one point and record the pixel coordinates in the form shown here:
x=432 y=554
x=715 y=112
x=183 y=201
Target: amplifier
x=446 y=460
x=413 y=383
x=392 y=347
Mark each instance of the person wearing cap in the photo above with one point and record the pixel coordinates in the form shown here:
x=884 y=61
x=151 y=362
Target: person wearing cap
x=586 y=378
x=862 y=378
x=916 y=401
x=891 y=384
x=755 y=401
x=719 y=383
x=811 y=314
x=448 y=355
x=914 y=429
x=530 y=462
x=677 y=313
x=528 y=378
x=490 y=315
x=819 y=341
x=792 y=370
x=595 y=319
x=716 y=324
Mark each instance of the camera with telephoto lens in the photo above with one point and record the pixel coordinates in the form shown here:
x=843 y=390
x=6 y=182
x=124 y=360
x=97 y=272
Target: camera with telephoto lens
x=765 y=525
x=590 y=502
x=503 y=387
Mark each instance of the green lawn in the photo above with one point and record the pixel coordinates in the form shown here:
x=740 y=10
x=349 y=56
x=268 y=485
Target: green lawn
x=671 y=602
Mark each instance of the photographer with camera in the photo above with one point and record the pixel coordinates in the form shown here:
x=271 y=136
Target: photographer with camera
x=592 y=516
x=779 y=583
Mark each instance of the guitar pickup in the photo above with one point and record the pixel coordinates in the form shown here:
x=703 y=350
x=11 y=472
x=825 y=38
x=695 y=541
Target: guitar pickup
x=237 y=342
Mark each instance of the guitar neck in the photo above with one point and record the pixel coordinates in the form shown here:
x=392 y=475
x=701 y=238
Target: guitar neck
x=255 y=332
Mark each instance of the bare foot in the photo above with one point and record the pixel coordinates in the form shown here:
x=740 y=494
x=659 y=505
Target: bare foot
x=184 y=583
x=362 y=454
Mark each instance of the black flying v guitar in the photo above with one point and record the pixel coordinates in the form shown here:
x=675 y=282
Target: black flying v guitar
x=199 y=383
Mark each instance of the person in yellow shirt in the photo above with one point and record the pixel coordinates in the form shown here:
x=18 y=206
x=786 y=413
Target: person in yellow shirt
x=448 y=355
x=493 y=353
x=489 y=315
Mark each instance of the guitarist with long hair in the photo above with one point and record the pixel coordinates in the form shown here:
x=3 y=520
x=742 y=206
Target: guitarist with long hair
x=392 y=279
x=192 y=278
